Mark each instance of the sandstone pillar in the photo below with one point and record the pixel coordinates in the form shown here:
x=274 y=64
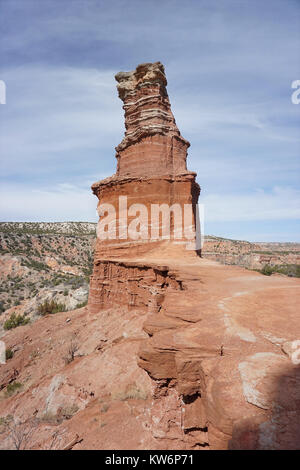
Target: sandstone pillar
x=151 y=159
x=151 y=170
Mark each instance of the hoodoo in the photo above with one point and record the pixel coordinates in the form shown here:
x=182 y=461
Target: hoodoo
x=151 y=167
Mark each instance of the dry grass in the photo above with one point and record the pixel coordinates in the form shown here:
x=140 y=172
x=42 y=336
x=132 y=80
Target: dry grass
x=132 y=392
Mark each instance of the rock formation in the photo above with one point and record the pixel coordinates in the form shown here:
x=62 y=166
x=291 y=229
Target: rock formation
x=151 y=159
x=152 y=145
x=217 y=369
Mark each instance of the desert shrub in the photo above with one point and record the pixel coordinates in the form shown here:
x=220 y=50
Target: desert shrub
x=267 y=270
x=5 y=420
x=37 y=265
x=15 y=320
x=88 y=271
x=50 y=418
x=131 y=392
x=291 y=270
x=68 y=411
x=9 y=354
x=62 y=414
x=20 y=434
x=49 y=307
x=12 y=388
x=82 y=304
x=34 y=354
x=72 y=349
x=104 y=408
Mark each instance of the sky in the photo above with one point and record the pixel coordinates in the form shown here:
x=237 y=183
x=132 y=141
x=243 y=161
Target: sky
x=229 y=64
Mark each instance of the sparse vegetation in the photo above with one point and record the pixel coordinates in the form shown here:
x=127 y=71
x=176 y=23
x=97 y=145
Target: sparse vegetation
x=34 y=355
x=37 y=265
x=50 y=307
x=68 y=411
x=50 y=255
x=131 y=392
x=42 y=228
x=15 y=320
x=72 y=349
x=64 y=413
x=4 y=420
x=267 y=270
x=104 y=408
x=12 y=388
x=291 y=270
x=20 y=433
x=82 y=304
x=9 y=354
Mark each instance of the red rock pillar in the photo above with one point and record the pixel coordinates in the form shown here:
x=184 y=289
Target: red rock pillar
x=151 y=169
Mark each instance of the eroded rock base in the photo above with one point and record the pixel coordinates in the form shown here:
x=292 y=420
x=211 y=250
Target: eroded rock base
x=215 y=351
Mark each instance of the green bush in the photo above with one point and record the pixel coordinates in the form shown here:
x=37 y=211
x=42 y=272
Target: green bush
x=12 y=388
x=50 y=307
x=291 y=270
x=82 y=304
x=38 y=266
x=267 y=270
x=14 y=321
x=9 y=354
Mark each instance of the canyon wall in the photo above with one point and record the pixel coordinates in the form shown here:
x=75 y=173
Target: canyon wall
x=251 y=255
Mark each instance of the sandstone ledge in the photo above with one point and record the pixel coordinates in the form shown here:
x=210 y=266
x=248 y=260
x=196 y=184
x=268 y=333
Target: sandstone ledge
x=115 y=179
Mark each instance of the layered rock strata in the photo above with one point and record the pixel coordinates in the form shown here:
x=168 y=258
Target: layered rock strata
x=151 y=163
x=130 y=285
x=152 y=144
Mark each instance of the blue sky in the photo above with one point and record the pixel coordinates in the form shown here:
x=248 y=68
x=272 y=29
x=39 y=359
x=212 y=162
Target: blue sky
x=229 y=65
